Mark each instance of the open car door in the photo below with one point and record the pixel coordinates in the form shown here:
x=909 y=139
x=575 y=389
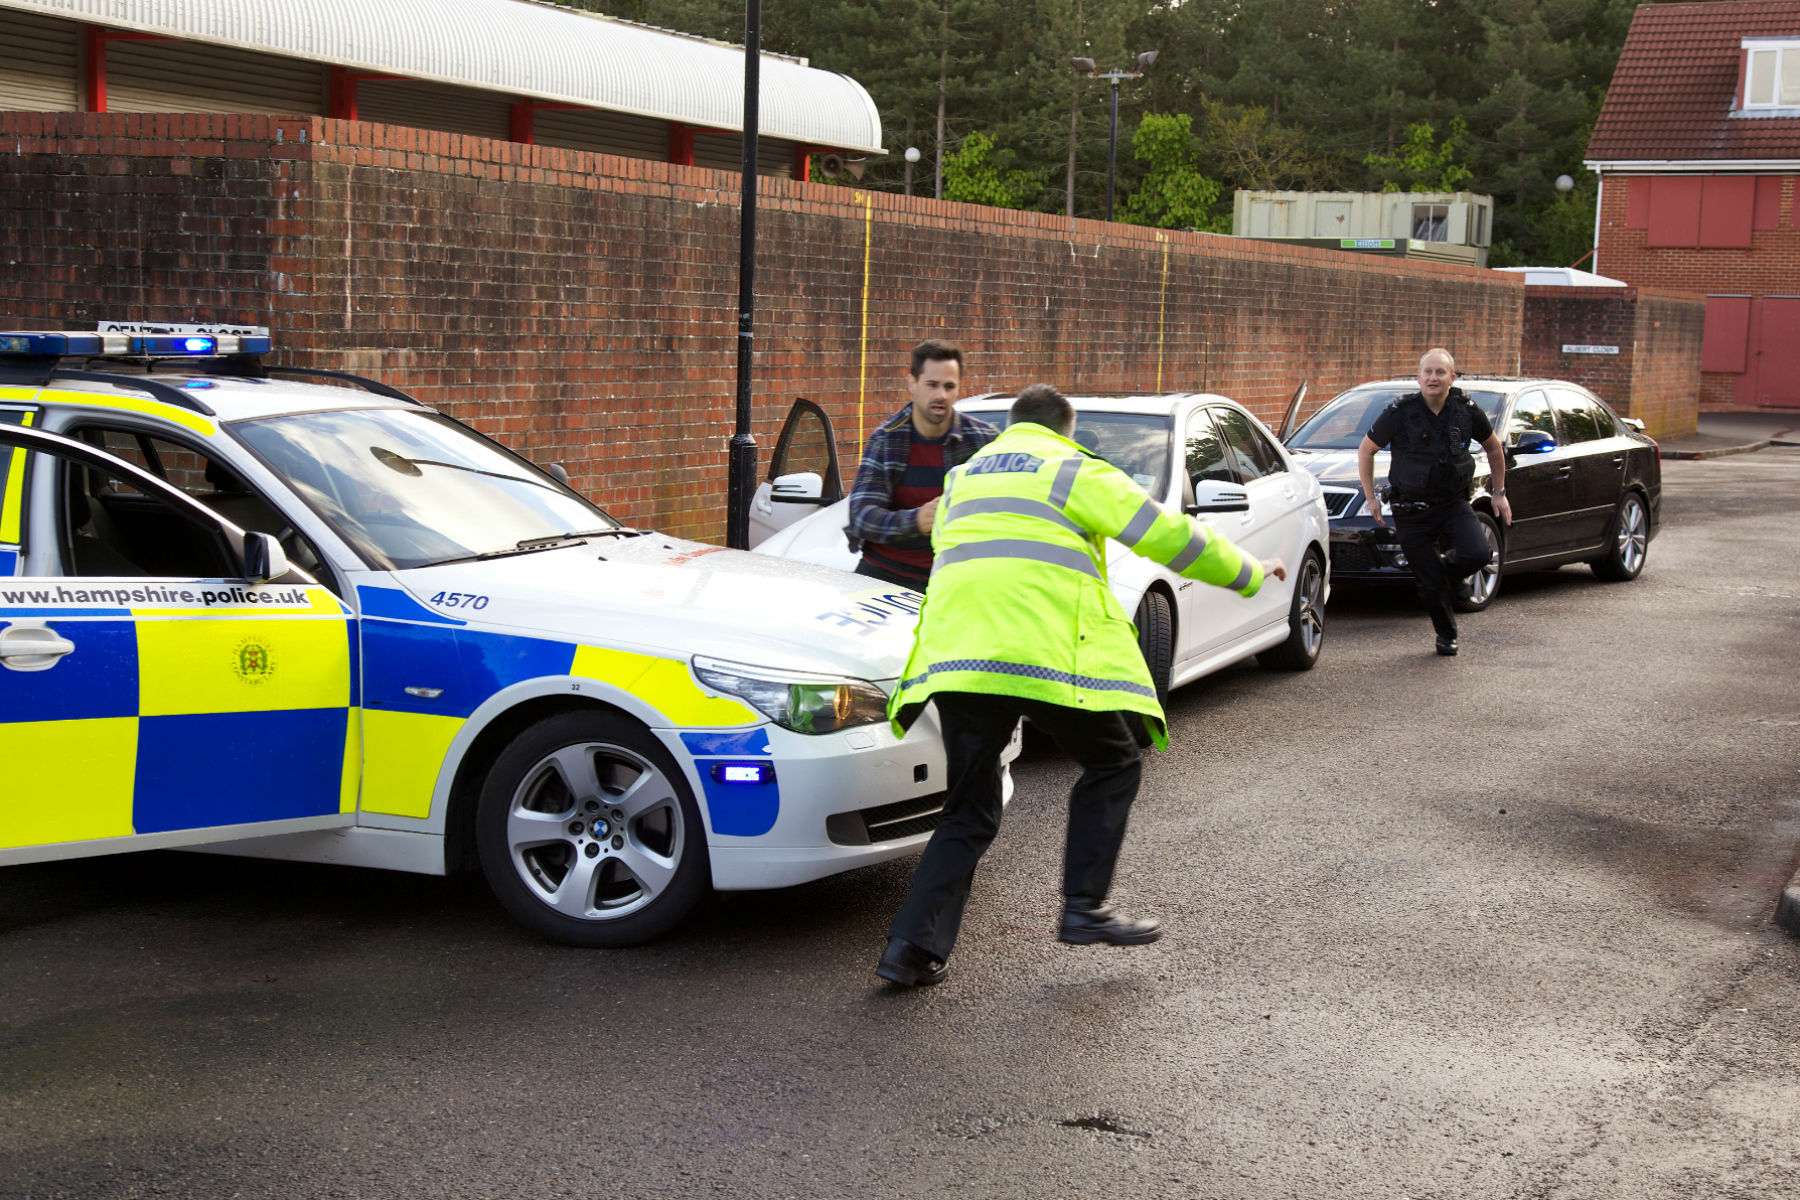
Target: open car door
x=803 y=473
x=1290 y=419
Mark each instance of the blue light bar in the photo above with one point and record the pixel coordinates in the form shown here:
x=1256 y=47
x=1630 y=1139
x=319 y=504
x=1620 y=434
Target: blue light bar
x=115 y=344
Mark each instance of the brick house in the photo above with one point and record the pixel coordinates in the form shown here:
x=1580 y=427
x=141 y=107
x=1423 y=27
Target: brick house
x=1697 y=149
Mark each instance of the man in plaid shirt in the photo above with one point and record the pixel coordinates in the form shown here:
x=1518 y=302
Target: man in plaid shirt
x=894 y=502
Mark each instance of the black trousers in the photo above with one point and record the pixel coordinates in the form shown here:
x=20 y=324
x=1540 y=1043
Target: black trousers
x=1435 y=573
x=976 y=730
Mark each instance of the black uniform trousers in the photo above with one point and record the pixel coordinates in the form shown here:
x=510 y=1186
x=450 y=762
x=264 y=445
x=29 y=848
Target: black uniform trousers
x=976 y=730
x=1436 y=573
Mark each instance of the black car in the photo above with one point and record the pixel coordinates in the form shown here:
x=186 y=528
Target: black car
x=1585 y=484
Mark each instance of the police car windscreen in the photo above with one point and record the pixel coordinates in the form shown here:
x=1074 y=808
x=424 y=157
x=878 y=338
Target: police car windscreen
x=1341 y=424
x=410 y=488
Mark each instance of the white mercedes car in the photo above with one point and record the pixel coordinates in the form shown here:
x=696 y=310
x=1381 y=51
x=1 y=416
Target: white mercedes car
x=1202 y=454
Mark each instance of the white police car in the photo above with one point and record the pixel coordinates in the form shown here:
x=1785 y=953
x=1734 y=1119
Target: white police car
x=307 y=621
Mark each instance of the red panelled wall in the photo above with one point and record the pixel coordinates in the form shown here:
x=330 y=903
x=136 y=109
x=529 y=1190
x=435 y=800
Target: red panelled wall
x=1733 y=239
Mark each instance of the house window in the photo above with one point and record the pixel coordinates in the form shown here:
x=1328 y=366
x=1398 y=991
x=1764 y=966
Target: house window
x=1431 y=223
x=1771 y=74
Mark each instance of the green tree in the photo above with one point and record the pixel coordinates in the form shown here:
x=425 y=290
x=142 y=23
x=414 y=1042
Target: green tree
x=1423 y=164
x=976 y=173
x=1173 y=194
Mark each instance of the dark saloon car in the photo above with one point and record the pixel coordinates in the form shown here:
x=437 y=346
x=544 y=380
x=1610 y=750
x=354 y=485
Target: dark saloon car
x=1585 y=484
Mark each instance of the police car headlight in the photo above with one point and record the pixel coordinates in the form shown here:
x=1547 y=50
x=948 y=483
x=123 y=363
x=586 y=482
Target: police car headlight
x=803 y=703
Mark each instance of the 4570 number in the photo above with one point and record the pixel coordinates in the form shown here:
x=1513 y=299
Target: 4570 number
x=460 y=600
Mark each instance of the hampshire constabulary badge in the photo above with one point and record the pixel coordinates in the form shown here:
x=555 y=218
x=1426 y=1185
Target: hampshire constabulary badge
x=254 y=664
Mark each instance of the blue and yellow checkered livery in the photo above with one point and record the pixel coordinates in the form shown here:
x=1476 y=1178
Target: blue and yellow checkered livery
x=168 y=718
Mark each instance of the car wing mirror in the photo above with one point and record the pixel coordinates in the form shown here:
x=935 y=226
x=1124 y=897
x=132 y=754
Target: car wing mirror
x=802 y=487
x=1212 y=496
x=1534 y=441
x=1633 y=424
x=264 y=559
x=558 y=472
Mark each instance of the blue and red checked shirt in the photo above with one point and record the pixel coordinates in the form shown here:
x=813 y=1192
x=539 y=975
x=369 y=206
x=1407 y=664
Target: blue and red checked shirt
x=896 y=477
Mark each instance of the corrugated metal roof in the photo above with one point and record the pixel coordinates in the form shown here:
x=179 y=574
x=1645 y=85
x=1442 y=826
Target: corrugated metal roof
x=519 y=48
x=1672 y=90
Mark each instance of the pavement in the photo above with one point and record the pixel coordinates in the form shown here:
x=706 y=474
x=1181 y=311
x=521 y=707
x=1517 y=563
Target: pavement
x=1721 y=433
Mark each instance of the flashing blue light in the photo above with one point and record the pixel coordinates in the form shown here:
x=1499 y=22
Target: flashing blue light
x=199 y=384
x=197 y=345
x=742 y=772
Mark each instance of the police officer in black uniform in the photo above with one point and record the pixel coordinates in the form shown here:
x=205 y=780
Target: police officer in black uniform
x=1430 y=473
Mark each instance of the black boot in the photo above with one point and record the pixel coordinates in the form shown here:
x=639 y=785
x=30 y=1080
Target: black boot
x=909 y=966
x=1086 y=921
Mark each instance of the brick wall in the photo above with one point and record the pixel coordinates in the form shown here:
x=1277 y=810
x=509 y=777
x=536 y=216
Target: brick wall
x=582 y=307
x=1771 y=266
x=1655 y=376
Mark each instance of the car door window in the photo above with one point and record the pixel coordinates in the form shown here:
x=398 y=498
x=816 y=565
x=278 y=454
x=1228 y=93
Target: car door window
x=1577 y=417
x=1255 y=455
x=1205 y=450
x=111 y=527
x=1604 y=420
x=806 y=444
x=1530 y=411
x=213 y=483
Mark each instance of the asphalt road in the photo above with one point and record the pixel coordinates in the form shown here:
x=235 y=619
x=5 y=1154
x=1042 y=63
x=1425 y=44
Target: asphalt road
x=1547 y=970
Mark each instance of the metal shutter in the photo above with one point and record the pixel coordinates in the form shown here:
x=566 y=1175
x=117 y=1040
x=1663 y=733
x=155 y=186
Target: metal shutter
x=725 y=152
x=435 y=106
x=40 y=65
x=603 y=132
x=198 y=78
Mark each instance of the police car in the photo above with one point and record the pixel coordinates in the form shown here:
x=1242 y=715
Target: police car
x=299 y=615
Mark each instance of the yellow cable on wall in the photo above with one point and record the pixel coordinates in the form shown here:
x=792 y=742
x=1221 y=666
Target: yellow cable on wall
x=862 y=363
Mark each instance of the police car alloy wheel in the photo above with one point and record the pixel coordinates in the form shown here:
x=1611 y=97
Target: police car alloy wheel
x=588 y=834
x=1629 y=545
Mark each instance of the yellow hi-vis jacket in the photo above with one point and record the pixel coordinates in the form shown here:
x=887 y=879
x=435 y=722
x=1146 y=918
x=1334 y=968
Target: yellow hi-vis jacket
x=1019 y=604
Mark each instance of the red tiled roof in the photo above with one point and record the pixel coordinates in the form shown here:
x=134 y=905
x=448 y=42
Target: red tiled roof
x=1673 y=88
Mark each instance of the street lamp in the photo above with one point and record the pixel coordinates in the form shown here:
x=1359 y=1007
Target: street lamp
x=1087 y=66
x=911 y=156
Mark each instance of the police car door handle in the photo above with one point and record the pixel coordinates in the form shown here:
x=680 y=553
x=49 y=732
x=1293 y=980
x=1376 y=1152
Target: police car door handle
x=32 y=646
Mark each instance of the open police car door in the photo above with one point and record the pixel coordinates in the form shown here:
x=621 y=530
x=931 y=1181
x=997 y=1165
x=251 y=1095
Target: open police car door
x=803 y=473
x=165 y=679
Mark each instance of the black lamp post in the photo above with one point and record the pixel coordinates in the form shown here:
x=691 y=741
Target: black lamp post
x=1086 y=66
x=740 y=486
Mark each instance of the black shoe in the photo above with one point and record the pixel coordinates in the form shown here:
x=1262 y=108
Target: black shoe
x=909 y=966
x=1085 y=922
x=1446 y=646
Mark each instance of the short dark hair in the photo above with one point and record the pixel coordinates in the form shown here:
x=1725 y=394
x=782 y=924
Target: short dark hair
x=932 y=350
x=1042 y=404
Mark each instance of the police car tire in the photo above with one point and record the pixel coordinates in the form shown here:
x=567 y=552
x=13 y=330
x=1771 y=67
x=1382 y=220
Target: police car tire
x=1492 y=530
x=1156 y=639
x=668 y=826
x=1306 y=620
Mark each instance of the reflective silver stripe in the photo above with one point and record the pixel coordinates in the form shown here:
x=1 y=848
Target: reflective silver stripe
x=1141 y=523
x=1194 y=549
x=1059 y=556
x=1011 y=506
x=1065 y=481
x=994 y=666
x=1245 y=574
